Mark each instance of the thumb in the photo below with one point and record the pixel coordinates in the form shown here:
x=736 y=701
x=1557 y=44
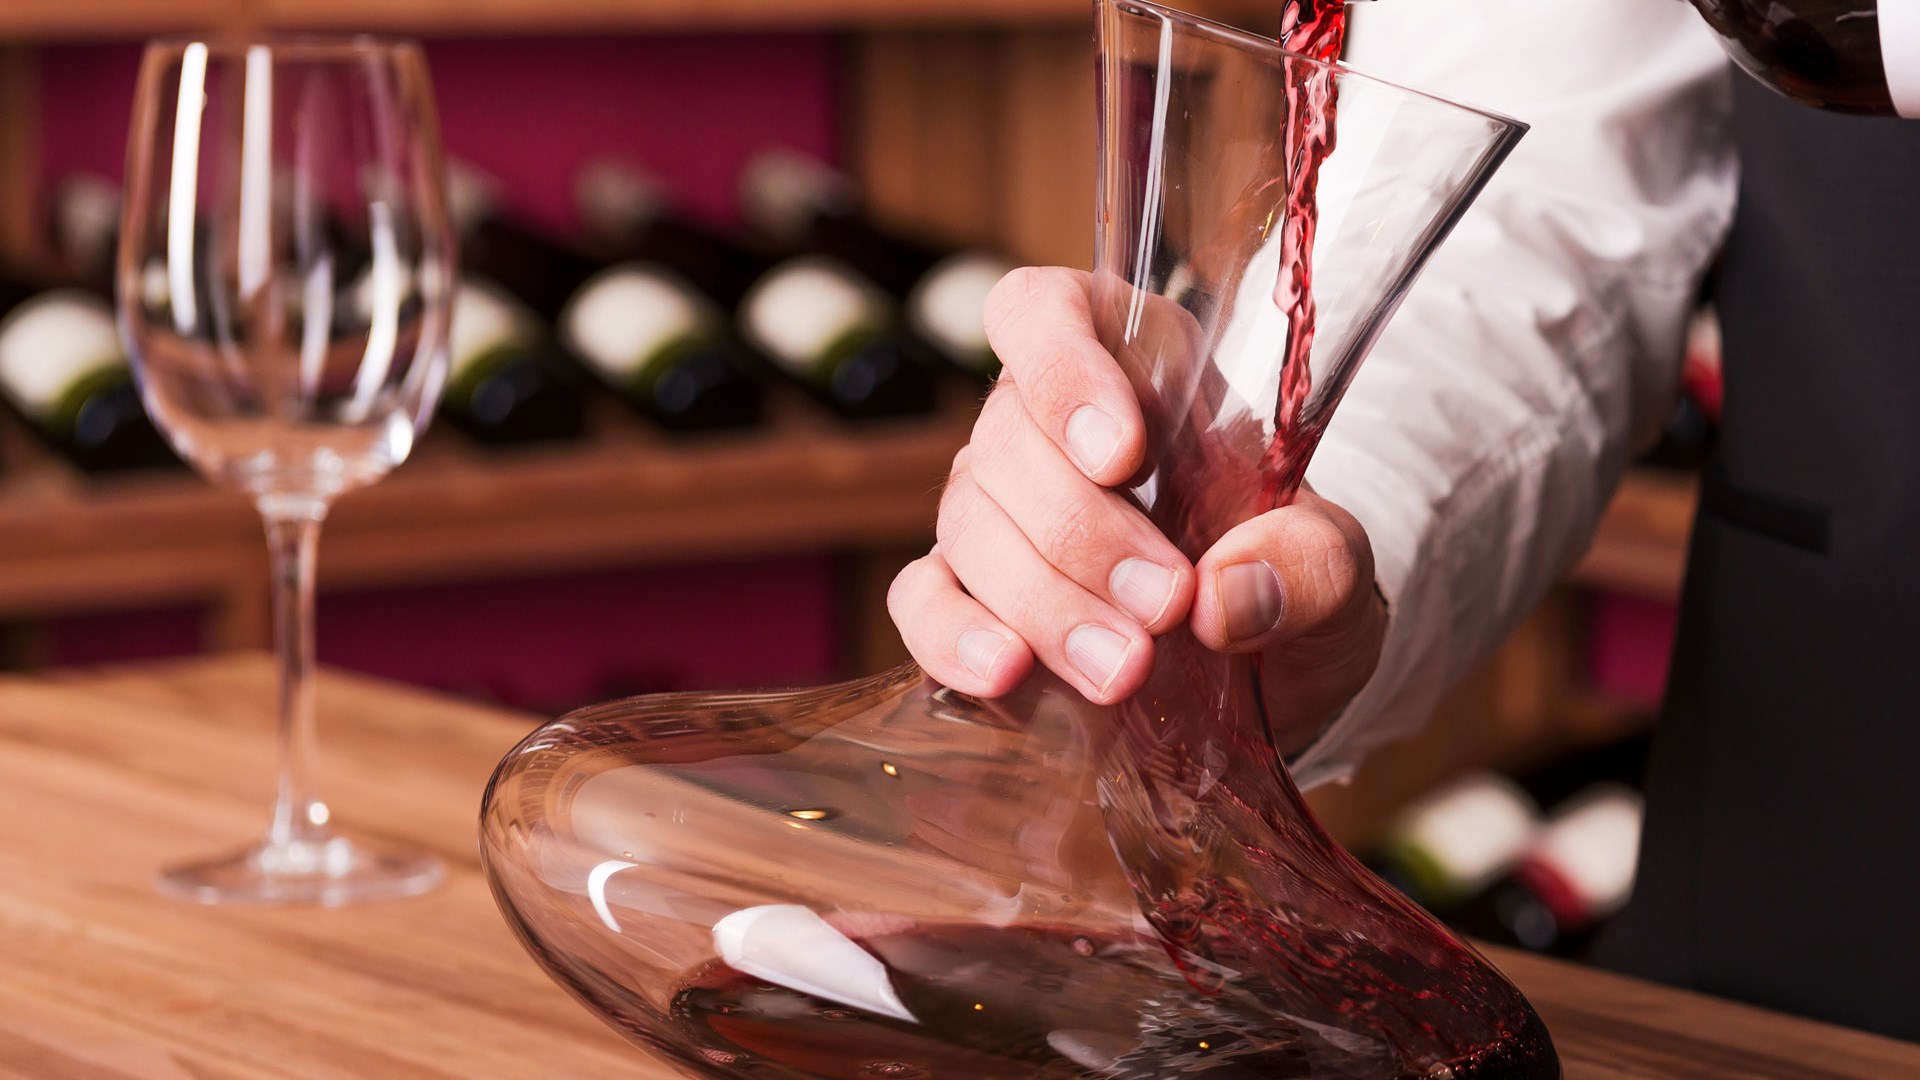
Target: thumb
x=1302 y=571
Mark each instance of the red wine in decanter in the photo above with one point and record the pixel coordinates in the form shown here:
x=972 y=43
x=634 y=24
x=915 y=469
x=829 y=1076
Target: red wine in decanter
x=917 y=1002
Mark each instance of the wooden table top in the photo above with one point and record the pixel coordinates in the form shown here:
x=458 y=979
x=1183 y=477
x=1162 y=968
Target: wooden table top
x=104 y=776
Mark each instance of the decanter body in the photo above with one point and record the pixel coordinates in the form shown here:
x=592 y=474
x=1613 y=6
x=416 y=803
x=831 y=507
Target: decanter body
x=886 y=878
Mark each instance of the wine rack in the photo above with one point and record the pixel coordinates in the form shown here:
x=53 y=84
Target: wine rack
x=935 y=96
x=624 y=496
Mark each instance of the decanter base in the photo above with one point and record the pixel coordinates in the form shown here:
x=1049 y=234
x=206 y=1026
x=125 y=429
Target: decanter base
x=1029 y=1001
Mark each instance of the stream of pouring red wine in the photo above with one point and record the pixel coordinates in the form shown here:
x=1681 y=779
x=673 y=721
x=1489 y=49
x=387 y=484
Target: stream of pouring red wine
x=1315 y=29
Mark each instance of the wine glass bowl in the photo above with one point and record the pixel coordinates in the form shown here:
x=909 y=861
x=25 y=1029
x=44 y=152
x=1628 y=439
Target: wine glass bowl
x=285 y=274
x=286 y=264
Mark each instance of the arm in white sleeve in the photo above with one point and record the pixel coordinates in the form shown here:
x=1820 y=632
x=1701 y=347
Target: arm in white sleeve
x=1479 y=443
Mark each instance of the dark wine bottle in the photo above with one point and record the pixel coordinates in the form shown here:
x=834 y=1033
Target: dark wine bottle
x=808 y=206
x=664 y=346
x=657 y=324
x=507 y=381
x=834 y=333
x=86 y=228
x=631 y=217
x=1851 y=56
x=1621 y=761
x=1577 y=873
x=502 y=383
x=1450 y=845
x=63 y=370
x=539 y=270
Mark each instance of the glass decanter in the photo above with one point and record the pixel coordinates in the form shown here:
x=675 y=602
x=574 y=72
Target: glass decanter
x=886 y=878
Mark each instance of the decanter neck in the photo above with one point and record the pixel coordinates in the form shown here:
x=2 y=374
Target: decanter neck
x=1213 y=462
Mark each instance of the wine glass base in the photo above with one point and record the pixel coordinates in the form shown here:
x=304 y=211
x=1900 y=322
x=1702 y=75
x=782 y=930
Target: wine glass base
x=328 y=872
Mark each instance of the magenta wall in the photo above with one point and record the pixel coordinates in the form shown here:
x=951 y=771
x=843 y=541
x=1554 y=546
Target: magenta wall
x=547 y=644
x=691 y=109
x=552 y=644
x=1629 y=642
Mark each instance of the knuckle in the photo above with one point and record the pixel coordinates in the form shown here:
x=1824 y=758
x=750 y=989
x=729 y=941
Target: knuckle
x=906 y=585
x=1058 y=363
x=1069 y=530
x=997 y=429
x=1352 y=533
x=1034 y=613
x=1013 y=296
x=1338 y=571
x=1067 y=370
x=959 y=512
x=1062 y=374
x=1327 y=573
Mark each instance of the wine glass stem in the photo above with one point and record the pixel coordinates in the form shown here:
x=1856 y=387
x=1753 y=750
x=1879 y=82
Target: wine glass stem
x=292 y=534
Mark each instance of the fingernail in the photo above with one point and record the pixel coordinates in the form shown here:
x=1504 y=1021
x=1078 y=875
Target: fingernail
x=1092 y=438
x=1143 y=588
x=1250 y=597
x=980 y=650
x=1098 y=653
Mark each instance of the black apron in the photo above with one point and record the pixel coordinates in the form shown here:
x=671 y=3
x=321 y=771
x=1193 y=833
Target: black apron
x=1781 y=860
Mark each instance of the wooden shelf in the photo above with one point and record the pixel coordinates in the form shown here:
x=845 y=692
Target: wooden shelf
x=626 y=496
x=30 y=19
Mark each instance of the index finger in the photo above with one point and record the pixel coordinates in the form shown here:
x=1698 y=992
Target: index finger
x=1040 y=324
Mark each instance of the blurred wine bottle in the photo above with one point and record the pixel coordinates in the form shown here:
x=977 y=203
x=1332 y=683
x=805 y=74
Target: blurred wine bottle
x=506 y=380
x=502 y=387
x=1687 y=437
x=630 y=216
x=1621 y=761
x=833 y=332
x=64 y=372
x=807 y=206
x=86 y=229
x=536 y=268
x=1576 y=873
x=656 y=322
x=826 y=322
x=1450 y=845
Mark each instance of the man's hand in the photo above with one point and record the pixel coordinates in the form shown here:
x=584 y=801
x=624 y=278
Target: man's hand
x=1039 y=557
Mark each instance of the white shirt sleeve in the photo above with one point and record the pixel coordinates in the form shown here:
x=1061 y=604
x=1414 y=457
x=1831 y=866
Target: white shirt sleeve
x=1479 y=443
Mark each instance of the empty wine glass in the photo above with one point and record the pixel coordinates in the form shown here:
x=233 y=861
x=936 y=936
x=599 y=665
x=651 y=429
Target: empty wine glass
x=285 y=272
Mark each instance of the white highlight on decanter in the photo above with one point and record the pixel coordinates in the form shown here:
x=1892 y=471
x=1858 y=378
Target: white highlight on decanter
x=791 y=946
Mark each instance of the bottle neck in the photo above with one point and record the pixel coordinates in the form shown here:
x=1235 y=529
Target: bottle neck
x=1212 y=456
x=617 y=203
